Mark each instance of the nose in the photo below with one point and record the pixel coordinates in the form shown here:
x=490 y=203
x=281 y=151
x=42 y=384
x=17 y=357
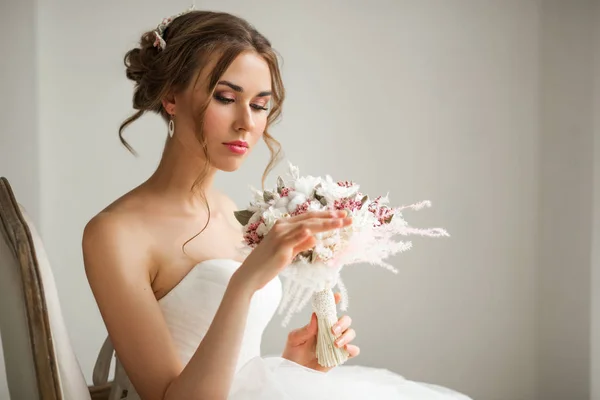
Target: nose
x=245 y=120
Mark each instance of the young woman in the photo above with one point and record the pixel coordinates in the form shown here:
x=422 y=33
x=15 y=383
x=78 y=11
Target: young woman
x=184 y=312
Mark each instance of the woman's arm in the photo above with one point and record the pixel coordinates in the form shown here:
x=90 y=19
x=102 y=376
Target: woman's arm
x=117 y=261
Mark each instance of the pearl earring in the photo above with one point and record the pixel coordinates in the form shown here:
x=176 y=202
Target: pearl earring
x=171 y=126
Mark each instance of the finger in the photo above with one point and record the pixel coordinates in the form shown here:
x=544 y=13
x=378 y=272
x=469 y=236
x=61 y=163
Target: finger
x=342 y=325
x=337 y=297
x=323 y=225
x=346 y=338
x=301 y=335
x=313 y=324
x=352 y=350
x=299 y=238
x=307 y=244
x=296 y=235
x=318 y=214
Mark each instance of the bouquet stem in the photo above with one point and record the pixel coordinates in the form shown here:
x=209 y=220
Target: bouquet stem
x=328 y=355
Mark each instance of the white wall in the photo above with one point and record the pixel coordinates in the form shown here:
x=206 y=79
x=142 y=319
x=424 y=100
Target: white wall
x=19 y=136
x=565 y=201
x=451 y=89
x=595 y=281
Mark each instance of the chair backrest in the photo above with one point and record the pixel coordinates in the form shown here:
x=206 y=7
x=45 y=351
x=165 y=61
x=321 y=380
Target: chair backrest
x=39 y=358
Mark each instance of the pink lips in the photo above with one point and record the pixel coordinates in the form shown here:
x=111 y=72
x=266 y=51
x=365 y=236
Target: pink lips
x=237 y=146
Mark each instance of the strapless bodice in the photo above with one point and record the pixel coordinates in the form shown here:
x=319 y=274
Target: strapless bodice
x=188 y=310
x=190 y=307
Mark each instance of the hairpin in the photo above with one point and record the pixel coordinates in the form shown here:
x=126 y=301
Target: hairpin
x=160 y=29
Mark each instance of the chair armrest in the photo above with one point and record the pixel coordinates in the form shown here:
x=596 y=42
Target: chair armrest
x=100 y=392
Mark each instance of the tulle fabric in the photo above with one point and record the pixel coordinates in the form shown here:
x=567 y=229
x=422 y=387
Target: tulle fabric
x=275 y=378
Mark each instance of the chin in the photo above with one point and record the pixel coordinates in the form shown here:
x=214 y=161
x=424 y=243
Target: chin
x=227 y=165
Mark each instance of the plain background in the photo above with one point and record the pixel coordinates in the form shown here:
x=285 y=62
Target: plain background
x=488 y=108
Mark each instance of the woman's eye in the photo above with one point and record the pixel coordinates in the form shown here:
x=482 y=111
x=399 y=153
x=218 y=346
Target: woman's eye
x=224 y=100
x=227 y=100
x=259 y=107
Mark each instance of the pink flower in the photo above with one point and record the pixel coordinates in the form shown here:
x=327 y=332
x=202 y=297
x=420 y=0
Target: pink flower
x=347 y=204
x=345 y=183
x=301 y=209
x=381 y=212
x=251 y=237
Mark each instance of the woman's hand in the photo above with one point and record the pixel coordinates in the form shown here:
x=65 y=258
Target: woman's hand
x=302 y=343
x=287 y=238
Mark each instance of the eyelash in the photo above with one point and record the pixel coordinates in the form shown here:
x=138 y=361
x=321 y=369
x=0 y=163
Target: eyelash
x=225 y=100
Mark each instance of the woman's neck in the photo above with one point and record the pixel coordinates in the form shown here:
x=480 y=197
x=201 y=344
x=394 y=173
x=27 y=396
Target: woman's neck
x=178 y=170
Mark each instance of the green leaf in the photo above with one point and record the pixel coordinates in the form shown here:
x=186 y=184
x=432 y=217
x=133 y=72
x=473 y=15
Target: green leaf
x=364 y=199
x=268 y=196
x=388 y=219
x=320 y=198
x=280 y=183
x=243 y=216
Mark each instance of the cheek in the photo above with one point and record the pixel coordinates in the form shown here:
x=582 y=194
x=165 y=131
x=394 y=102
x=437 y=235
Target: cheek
x=216 y=121
x=261 y=124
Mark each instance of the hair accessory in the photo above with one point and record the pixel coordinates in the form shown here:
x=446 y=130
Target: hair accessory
x=160 y=29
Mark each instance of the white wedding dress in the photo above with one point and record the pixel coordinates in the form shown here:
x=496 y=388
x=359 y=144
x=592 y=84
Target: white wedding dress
x=189 y=309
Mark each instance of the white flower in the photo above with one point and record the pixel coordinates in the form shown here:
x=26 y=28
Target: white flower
x=271 y=215
x=331 y=241
x=257 y=194
x=306 y=184
x=255 y=217
x=296 y=198
x=362 y=219
x=282 y=202
x=323 y=252
x=332 y=191
x=262 y=229
x=293 y=171
x=315 y=205
x=284 y=212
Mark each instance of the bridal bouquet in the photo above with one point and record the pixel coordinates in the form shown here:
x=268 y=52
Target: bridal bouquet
x=314 y=273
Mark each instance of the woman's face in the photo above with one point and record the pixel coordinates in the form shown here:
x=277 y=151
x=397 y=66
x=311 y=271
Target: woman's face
x=237 y=113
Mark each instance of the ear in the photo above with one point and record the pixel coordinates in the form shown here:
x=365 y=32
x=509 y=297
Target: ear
x=168 y=103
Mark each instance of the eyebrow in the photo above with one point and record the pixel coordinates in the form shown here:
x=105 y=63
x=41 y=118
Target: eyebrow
x=241 y=90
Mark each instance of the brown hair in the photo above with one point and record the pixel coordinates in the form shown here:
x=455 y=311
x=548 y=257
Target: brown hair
x=192 y=41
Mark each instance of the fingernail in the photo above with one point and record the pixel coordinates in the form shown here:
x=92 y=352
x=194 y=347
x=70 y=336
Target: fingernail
x=337 y=330
x=339 y=342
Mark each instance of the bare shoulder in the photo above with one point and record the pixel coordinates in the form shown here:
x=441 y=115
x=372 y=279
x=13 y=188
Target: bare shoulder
x=107 y=226
x=117 y=227
x=114 y=238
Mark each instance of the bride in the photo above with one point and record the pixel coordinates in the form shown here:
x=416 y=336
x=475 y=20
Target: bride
x=185 y=314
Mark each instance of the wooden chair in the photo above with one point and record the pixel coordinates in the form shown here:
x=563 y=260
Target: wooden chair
x=40 y=362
